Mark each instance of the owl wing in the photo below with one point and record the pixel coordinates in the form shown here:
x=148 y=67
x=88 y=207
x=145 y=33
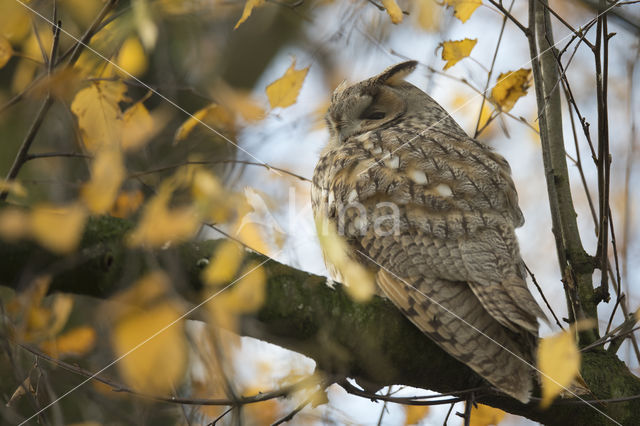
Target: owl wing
x=462 y=327
x=458 y=197
x=449 y=244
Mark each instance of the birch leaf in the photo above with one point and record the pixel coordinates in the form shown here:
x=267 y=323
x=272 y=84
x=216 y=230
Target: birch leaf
x=454 y=51
x=137 y=126
x=161 y=224
x=463 y=9
x=107 y=174
x=58 y=229
x=284 y=91
x=248 y=8
x=152 y=347
x=99 y=116
x=132 y=57
x=394 y=11
x=510 y=87
x=559 y=362
x=75 y=342
x=213 y=115
x=359 y=282
x=223 y=264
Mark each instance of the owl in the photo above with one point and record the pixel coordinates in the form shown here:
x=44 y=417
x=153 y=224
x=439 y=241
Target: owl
x=431 y=213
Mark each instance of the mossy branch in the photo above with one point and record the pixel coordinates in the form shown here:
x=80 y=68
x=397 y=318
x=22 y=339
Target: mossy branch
x=372 y=342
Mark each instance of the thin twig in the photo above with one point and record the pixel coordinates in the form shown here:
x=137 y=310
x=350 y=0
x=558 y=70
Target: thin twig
x=118 y=387
x=448 y=414
x=535 y=282
x=217 y=419
x=74 y=50
x=213 y=162
x=489 y=74
x=604 y=161
x=296 y=410
x=56 y=155
x=566 y=24
x=508 y=14
x=400 y=400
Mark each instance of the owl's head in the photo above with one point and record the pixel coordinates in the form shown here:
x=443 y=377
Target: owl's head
x=369 y=104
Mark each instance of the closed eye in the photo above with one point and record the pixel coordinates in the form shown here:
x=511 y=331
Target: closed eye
x=374 y=115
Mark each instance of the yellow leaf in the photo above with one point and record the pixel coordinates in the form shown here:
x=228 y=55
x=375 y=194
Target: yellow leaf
x=249 y=233
x=107 y=174
x=453 y=51
x=13 y=187
x=99 y=116
x=247 y=107
x=15 y=21
x=510 y=87
x=638 y=314
x=485 y=115
x=137 y=126
x=127 y=203
x=6 y=52
x=160 y=224
x=224 y=263
x=14 y=224
x=463 y=9
x=247 y=295
x=58 y=229
x=147 y=289
x=132 y=57
x=248 y=8
x=284 y=91
x=60 y=310
x=359 y=282
x=37 y=319
x=559 y=363
x=427 y=15
x=213 y=115
x=83 y=11
x=394 y=11
x=210 y=198
x=75 y=342
x=152 y=347
x=483 y=415
x=415 y=413
x=239 y=102
x=206 y=186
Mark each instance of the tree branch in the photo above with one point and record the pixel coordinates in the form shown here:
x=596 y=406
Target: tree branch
x=575 y=264
x=371 y=342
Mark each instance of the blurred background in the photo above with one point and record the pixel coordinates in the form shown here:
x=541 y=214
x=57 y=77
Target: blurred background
x=182 y=56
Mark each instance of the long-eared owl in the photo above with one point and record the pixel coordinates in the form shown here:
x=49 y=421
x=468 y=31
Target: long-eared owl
x=446 y=254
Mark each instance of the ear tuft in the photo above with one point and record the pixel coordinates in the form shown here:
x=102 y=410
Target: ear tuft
x=396 y=74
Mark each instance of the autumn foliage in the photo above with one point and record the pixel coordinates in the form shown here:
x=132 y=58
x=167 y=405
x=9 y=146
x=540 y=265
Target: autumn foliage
x=131 y=113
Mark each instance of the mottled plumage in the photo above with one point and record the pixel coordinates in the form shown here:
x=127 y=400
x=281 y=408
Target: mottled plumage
x=432 y=213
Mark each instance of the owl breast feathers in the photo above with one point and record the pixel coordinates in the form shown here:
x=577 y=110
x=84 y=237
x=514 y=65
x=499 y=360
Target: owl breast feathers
x=431 y=212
